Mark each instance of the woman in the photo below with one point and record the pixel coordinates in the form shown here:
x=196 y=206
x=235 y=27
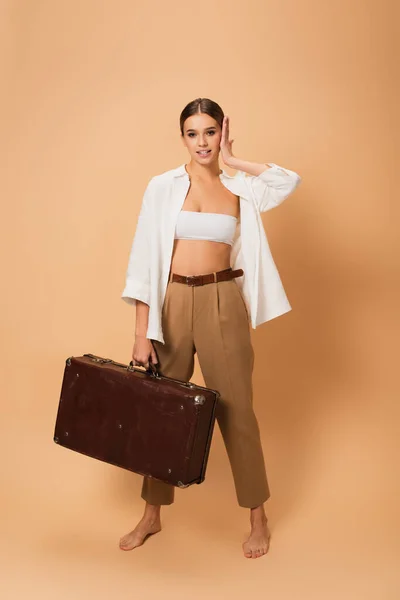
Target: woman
x=200 y=271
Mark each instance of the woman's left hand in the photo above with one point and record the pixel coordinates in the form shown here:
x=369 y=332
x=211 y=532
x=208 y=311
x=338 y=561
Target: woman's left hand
x=226 y=143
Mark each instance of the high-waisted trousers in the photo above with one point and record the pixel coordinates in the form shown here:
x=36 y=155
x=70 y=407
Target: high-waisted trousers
x=212 y=320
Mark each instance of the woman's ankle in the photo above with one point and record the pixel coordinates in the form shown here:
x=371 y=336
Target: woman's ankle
x=258 y=513
x=152 y=510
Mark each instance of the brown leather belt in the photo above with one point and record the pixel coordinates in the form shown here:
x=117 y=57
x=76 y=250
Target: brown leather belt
x=191 y=280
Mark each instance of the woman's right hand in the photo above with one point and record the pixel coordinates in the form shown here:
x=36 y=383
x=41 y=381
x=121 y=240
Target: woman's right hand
x=143 y=349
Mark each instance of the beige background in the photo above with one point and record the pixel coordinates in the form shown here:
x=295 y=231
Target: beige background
x=92 y=92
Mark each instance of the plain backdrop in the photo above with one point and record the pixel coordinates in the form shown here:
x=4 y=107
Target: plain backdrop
x=91 y=96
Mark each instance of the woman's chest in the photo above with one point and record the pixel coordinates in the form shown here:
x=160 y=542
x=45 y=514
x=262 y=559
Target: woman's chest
x=213 y=198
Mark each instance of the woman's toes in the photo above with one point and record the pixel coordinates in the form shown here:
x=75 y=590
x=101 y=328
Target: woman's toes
x=247 y=553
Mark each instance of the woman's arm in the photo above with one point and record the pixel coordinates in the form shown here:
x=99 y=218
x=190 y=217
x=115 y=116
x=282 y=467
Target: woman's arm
x=142 y=318
x=271 y=184
x=252 y=168
x=143 y=348
x=137 y=281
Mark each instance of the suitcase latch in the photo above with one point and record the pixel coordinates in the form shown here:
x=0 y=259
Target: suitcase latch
x=99 y=359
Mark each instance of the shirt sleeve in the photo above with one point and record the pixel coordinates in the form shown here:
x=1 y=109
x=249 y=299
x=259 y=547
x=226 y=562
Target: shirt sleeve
x=273 y=186
x=137 y=281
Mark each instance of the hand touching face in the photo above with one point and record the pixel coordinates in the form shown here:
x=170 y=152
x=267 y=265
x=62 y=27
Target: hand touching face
x=226 y=143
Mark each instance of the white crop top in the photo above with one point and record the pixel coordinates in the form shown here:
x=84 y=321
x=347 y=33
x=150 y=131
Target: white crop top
x=214 y=227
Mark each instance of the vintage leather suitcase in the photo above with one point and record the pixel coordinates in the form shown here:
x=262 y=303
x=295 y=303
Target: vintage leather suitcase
x=136 y=419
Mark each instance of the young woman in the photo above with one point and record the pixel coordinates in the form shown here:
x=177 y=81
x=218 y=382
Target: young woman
x=200 y=272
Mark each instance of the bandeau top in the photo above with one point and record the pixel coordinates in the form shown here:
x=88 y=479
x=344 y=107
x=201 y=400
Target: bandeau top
x=214 y=227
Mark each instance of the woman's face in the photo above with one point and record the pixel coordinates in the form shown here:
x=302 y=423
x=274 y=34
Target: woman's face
x=202 y=137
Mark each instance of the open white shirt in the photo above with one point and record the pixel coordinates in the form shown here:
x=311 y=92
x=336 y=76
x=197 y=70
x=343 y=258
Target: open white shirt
x=153 y=242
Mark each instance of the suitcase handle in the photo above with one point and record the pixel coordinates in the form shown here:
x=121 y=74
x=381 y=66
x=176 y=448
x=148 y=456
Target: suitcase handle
x=151 y=370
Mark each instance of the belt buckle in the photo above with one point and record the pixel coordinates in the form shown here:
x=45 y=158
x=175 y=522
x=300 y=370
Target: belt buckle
x=190 y=279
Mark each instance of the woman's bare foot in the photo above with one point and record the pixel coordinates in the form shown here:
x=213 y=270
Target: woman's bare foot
x=149 y=524
x=257 y=543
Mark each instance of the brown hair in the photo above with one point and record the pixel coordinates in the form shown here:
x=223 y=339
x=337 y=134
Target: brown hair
x=202 y=105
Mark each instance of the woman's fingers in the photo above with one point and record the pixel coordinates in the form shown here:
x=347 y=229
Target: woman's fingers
x=143 y=353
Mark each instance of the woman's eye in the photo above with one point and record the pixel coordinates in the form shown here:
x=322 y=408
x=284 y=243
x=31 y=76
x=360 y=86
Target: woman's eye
x=191 y=134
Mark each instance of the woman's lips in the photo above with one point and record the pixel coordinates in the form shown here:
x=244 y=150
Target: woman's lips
x=203 y=153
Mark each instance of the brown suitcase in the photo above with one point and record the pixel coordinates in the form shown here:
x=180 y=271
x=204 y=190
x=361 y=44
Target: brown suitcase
x=136 y=419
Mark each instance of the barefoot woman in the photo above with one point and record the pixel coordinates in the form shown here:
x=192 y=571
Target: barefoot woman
x=200 y=272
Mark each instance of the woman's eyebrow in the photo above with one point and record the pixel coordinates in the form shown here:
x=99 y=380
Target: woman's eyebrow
x=206 y=129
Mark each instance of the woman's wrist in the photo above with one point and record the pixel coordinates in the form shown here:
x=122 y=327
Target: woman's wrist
x=247 y=166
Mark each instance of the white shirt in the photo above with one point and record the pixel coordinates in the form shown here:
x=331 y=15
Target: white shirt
x=152 y=246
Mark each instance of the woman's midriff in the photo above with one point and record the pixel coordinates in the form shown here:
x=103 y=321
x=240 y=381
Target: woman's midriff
x=198 y=257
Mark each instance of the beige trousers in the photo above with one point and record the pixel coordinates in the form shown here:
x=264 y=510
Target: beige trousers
x=212 y=320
